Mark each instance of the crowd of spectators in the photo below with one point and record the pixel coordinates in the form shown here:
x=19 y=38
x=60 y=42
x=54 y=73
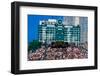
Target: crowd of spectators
x=49 y=53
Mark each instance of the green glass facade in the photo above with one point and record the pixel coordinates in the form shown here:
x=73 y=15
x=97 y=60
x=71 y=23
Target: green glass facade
x=59 y=32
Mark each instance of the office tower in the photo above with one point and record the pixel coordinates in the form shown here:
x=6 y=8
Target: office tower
x=55 y=30
x=84 y=29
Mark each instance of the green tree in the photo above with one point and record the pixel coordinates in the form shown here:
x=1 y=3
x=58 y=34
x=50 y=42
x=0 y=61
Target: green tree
x=35 y=44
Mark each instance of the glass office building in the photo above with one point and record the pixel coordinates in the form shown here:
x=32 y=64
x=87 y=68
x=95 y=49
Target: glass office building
x=47 y=31
x=84 y=29
x=54 y=30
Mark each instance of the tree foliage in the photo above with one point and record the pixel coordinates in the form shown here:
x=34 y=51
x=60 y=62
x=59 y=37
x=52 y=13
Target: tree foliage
x=34 y=45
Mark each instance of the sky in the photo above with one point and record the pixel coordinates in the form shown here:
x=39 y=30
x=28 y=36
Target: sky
x=33 y=23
